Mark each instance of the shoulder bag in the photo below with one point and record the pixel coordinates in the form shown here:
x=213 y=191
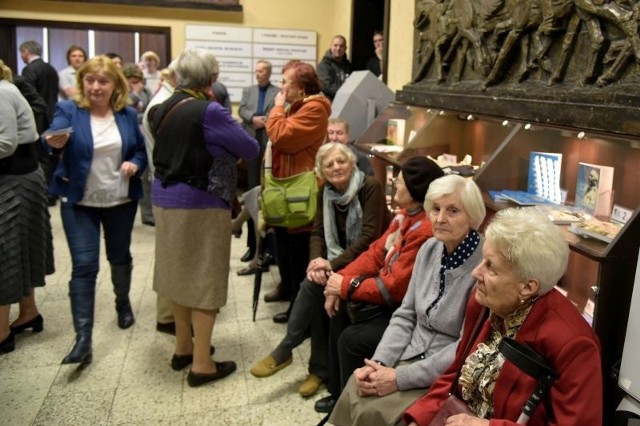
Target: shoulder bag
x=289 y=202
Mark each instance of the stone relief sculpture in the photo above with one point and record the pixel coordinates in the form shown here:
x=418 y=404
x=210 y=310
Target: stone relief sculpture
x=512 y=41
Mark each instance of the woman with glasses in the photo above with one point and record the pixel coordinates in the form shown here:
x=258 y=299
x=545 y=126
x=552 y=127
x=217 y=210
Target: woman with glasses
x=296 y=126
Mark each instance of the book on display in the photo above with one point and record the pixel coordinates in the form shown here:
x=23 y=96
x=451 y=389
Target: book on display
x=544 y=175
x=594 y=189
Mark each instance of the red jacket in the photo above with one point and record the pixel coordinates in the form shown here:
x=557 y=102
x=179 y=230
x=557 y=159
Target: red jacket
x=393 y=265
x=556 y=331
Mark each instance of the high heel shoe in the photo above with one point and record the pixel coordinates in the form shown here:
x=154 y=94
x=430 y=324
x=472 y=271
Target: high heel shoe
x=8 y=344
x=36 y=325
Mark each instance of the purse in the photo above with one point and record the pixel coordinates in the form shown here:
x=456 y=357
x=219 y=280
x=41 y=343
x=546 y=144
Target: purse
x=364 y=311
x=453 y=404
x=291 y=201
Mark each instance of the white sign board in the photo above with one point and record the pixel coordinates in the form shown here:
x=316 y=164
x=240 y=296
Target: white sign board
x=238 y=49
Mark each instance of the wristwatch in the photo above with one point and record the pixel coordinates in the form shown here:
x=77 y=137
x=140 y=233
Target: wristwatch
x=354 y=284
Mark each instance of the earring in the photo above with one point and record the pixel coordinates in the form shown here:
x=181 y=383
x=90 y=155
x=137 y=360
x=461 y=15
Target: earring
x=522 y=301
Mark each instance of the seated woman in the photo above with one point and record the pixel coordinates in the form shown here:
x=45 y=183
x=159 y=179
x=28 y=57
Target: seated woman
x=350 y=216
x=421 y=338
x=391 y=256
x=515 y=281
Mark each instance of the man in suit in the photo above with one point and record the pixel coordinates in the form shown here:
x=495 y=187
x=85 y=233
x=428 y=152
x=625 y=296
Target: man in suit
x=256 y=102
x=44 y=78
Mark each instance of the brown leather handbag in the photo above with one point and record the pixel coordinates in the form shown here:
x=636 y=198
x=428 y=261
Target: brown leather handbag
x=453 y=404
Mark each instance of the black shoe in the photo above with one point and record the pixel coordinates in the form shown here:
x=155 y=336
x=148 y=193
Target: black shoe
x=36 y=324
x=325 y=405
x=180 y=362
x=248 y=255
x=125 y=315
x=223 y=368
x=151 y=222
x=281 y=318
x=169 y=328
x=8 y=344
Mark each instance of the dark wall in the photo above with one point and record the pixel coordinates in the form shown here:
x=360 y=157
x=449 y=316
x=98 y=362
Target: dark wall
x=368 y=16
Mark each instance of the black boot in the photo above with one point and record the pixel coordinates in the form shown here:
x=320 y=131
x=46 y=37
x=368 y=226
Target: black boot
x=121 y=278
x=82 y=304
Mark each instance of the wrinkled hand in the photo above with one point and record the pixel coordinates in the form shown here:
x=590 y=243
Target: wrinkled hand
x=258 y=121
x=332 y=305
x=465 y=420
x=381 y=381
x=318 y=270
x=280 y=98
x=58 y=141
x=128 y=168
x=334 y=285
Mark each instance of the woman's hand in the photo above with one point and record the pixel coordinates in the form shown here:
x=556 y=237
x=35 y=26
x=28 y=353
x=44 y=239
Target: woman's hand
x=318 y=270
x=57 y=141
x=382 y=379
x=128 y=168
x=280 y=98
x=465 y=420
x=331 y=305
x=334 y=285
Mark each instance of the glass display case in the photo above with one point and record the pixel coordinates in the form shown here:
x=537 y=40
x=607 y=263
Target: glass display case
x=599 y=273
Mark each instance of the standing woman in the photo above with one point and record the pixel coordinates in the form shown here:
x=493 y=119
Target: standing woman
x=197 y=146
x=98 y=181
x=296 y=134
x=26 y=248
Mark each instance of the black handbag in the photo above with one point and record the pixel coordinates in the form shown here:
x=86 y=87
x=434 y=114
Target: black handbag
x=364 y=311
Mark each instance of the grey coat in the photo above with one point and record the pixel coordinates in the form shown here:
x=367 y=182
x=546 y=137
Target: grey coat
x=249 y=105
x=411 y=333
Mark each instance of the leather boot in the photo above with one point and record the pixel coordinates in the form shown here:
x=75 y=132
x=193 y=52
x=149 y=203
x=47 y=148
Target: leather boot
x=121 y=279
x=82 y=305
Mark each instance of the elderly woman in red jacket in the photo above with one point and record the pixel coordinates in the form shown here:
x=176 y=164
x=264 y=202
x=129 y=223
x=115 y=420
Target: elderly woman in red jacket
x=515 y=280
x=296 y=134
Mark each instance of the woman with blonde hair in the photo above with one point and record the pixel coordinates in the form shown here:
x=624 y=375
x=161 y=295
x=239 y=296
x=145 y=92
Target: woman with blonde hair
x=98 y=181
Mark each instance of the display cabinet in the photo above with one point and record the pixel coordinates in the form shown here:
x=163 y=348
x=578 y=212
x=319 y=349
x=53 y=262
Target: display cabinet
x=598 y=271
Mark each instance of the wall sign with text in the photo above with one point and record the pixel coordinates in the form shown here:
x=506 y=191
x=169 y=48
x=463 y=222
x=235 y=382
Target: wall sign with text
x=238 y=49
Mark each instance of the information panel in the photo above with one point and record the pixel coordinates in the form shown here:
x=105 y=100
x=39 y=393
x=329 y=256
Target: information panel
x=238 y=49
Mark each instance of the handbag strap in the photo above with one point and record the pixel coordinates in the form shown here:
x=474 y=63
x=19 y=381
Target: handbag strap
x=474 y=333
x=163 y=120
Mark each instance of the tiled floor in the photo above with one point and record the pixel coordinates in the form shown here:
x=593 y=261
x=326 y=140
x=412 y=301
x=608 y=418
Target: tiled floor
x=130 y=381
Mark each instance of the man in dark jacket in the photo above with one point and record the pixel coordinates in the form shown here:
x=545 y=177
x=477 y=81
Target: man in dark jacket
x=334 y=68
x=44 y=78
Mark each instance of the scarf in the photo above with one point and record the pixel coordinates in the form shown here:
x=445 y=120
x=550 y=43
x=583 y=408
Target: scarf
x=354 y=214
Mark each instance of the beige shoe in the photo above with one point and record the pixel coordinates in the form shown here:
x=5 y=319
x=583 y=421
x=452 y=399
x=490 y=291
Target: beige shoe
x=267 y=366
x=310 y=385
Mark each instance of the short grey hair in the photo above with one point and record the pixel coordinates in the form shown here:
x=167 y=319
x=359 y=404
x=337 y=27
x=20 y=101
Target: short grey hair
x=531 y=243
x=470 y=196
x=266 y=63
x=196 y=68
x=333 y=146
x=32 y=46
